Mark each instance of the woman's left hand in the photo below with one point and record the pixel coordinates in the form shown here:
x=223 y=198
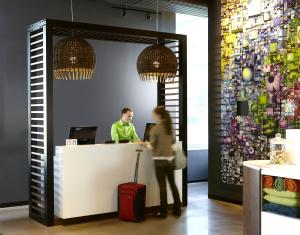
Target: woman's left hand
x=144 y=144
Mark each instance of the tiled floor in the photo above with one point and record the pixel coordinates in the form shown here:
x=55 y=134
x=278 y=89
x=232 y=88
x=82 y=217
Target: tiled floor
x=201 y=217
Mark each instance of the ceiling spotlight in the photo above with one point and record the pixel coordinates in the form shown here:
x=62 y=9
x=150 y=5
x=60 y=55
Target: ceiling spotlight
x=124 y=12
x=148 y=16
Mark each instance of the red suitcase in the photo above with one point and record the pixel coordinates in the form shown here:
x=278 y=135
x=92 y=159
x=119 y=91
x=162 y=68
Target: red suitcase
x=131 y=197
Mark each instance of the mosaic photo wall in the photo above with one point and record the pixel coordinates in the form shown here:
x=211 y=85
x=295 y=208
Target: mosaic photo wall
x=260 y=86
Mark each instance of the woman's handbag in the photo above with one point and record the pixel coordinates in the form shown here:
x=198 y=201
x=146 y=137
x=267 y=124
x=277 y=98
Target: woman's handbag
x=180 y=158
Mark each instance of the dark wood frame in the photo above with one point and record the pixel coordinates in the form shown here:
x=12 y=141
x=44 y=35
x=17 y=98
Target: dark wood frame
x=216 y=189
x=13 y=204
x=42 y=209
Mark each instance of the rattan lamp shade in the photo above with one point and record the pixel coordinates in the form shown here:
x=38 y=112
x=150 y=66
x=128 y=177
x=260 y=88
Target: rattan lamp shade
x=157 y=63
x=74 y=59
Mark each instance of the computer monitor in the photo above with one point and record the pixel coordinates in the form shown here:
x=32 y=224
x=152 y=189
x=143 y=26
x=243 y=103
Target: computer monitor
x=113 y=141
x=147 y=131
x=109 y=142
x=84 y=135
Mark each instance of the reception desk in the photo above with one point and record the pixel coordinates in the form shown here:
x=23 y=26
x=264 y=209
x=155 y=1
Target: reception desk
x=86 y=178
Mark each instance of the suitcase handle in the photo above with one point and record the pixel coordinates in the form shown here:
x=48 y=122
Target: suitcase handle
x=136 y=172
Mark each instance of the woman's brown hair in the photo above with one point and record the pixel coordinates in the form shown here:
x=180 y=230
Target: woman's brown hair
x=165 y=119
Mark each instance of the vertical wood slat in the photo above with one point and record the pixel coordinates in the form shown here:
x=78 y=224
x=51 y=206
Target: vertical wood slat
x=252 y=200
x=183 y=109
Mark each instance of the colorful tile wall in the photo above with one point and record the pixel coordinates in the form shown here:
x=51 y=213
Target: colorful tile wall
x=260 y=58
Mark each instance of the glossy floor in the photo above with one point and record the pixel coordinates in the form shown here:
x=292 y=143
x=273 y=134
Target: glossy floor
x=201 y=217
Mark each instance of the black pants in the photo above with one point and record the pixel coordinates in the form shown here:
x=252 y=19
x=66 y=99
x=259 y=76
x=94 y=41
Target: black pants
x=165 y=169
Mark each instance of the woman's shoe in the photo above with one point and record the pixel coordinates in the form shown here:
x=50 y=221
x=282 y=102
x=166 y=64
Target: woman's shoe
x=160 y=215
x=177 y=213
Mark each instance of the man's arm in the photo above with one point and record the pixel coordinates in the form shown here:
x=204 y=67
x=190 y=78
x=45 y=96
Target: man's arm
x=135 y=137
x=114 y=133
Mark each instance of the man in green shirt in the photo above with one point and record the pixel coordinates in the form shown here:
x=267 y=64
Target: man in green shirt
x=124 y=129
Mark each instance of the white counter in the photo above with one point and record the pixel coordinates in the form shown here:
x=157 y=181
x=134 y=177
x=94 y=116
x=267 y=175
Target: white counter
x=285 y=171
x=86 y=178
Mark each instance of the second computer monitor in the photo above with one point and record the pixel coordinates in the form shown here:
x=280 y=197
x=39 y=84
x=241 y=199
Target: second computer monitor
x=147 y=131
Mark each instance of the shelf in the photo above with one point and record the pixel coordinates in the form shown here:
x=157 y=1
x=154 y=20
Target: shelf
x=278 y=224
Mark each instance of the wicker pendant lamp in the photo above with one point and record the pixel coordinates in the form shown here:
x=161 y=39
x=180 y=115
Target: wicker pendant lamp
x=73 y=58
x=157 y=62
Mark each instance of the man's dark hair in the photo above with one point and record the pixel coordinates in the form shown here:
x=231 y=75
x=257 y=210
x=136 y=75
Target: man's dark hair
x=126 y=109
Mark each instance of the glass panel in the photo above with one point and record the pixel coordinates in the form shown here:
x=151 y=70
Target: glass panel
x=196 y=29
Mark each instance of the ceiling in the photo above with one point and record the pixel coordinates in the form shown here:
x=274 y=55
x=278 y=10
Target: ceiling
x=189 y=7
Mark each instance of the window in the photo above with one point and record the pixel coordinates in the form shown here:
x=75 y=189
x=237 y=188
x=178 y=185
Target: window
x=196 y=29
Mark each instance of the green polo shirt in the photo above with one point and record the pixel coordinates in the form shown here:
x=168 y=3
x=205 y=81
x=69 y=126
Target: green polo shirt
x=123 y=131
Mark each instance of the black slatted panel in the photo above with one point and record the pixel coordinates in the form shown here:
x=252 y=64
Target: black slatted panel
x=172 y=95
x=37 y=125
x=169 y=94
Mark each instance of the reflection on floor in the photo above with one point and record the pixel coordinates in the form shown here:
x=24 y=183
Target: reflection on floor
x=202 y=217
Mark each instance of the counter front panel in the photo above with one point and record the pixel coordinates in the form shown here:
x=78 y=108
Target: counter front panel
x=86 y=178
